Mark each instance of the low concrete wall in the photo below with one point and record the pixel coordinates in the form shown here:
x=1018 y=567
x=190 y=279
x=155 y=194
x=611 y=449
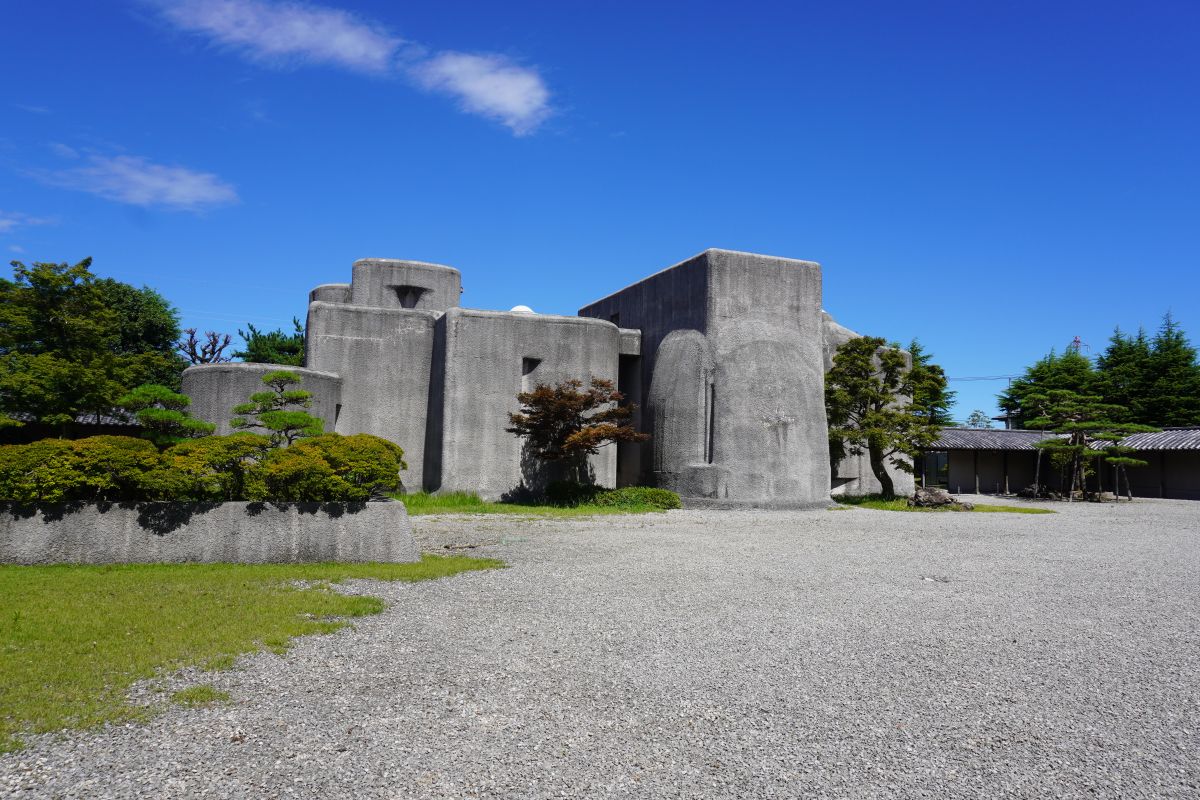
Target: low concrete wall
x=254 y=533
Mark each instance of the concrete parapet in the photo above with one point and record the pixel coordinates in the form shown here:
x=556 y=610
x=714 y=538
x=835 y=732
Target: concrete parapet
x=414 y=285
x=252 y=533
x=216 y=388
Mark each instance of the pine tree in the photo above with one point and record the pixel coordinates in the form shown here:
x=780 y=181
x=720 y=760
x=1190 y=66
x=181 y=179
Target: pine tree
x=866 y=401
x=1124 y=376
x=1070 y=372
x=1173 y=395
x=931 y=399
x=280 y=411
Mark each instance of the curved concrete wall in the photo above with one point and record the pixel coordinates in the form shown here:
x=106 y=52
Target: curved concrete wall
x=384 y=358
x=381 y=282
x=249 y=533
x=216 y=388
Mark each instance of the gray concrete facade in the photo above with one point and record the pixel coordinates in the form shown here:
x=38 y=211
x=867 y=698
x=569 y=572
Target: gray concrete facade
x=724 y=354
x=173 y=533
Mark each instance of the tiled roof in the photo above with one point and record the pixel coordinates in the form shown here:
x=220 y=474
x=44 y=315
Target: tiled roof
x=988 y=439
x=1001 y=439
x=1167 y=439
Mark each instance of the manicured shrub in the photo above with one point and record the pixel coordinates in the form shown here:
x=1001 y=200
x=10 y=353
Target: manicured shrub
x=570 y=495
x=40 y=472
x=92 y=469
x=244 y=466
x=332 y=468
x=632 y=496
x=111 y=467
x=215 y=468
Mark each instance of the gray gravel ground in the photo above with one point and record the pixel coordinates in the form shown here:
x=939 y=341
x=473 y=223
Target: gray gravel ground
x=847 y=653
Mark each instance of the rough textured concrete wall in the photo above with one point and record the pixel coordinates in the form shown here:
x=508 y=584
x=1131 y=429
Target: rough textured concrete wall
x=216 y=388
x=490 y=356
x=679 y=411
x=331 y=293
x=770 y=434
x=675 y=298
x=209 y=533
x=384 y=357
x=382 y=283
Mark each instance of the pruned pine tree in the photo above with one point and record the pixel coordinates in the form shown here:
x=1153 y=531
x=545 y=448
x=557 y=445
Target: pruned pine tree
x=279 y=412
x=163 y=415
x=867 y=396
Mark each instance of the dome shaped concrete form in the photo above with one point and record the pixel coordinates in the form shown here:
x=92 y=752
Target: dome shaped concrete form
x=724 y=354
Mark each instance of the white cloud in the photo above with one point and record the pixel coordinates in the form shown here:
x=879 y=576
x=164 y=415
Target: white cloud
x=489 y=85
x=16 y=248
x=287 y=32
x=283 y=33
x=32 y=109
x=11 y=220
x=62 y=150
x=138 y=182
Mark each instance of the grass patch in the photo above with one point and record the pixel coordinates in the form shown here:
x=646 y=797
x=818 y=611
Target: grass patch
x=901 y=504
x=73 y=639
x=202 y=695
x=421 y=503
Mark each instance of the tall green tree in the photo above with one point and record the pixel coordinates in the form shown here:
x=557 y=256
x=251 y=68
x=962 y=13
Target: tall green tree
x=273 y=347
x=1123 y=373
x=931 y=399
x=72 y=344
x=979 y=419
x=866 y=400
x=1173 y=394
x=1070 y=372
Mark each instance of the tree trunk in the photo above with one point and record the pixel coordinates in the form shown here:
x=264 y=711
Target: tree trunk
x=1128 y=488
x=1037 y=475
x=881 y=474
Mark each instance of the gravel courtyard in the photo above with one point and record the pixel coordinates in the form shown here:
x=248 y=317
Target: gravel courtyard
x=849 y=653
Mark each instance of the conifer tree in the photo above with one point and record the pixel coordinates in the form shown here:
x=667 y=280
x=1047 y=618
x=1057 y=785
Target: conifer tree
x=280 y=412
x=1173 y=395
x=866 y=401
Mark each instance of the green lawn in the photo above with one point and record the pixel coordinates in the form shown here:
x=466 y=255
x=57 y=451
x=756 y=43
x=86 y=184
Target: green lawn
x=73 y=639
x=420 y=503
x=901 y=504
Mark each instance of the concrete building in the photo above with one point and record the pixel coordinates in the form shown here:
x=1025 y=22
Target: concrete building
x=724 y=353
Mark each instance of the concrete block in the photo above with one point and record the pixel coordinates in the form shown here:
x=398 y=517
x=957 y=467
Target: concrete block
x=250 y=533
x=483 y=360
x=384 y=358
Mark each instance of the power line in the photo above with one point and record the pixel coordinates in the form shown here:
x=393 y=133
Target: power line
x=984 y=378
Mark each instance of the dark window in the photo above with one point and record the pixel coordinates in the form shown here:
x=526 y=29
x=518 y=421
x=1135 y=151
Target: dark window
x=528 y=365
x=615 y=319
x=409 y=296
x=933 y=469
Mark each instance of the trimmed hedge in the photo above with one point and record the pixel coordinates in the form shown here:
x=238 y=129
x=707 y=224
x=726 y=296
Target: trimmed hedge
x=569 y=495
x=244 y=466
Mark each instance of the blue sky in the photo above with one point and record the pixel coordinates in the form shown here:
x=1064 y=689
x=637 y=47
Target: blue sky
x=993 y=179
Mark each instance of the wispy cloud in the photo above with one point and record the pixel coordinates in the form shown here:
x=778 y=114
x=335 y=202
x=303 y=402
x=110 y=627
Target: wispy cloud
x=31 y=109
x=490 y=86
x=139 y=182
x=286 y=32
x=290 y=33
x=11 y=220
